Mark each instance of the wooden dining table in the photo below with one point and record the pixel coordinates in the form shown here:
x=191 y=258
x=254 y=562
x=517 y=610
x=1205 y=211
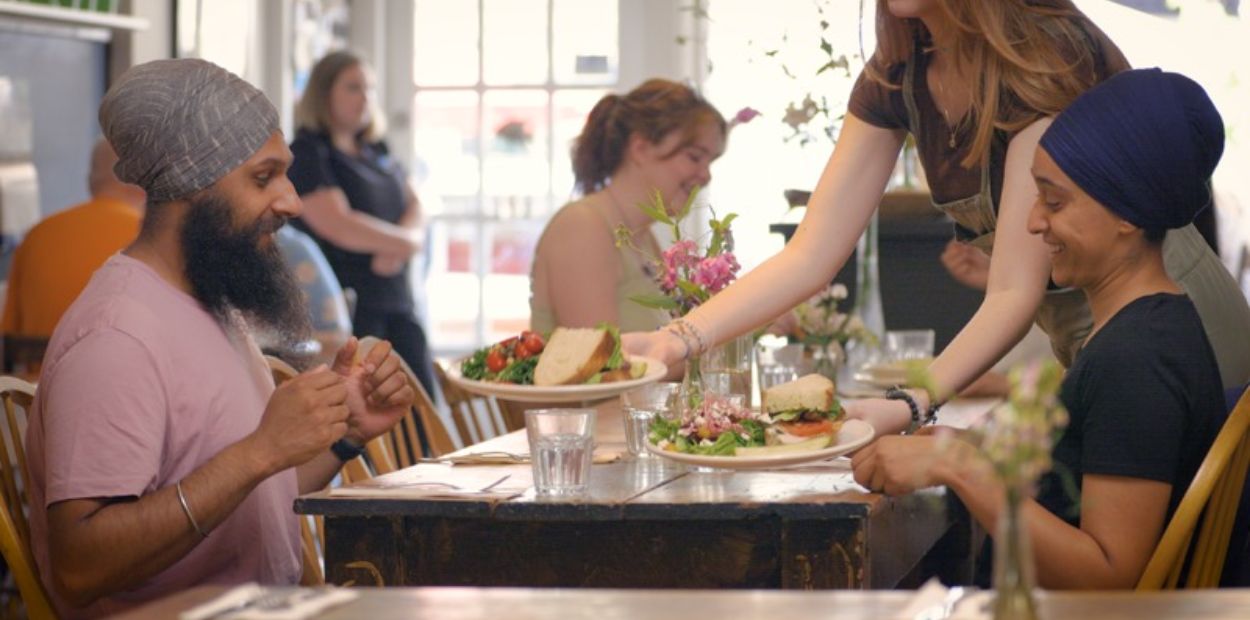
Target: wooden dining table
x=644 y=523
x=532 y=604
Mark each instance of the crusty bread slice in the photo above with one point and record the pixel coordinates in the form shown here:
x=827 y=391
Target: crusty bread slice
x=814 y=392
x=572 y=355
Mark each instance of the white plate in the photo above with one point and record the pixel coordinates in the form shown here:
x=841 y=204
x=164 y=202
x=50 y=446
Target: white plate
x=883 y=382
x=853 y=434
x=559 y=393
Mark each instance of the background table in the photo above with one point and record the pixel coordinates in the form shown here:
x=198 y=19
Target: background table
x=527 y=604
x=646 y=523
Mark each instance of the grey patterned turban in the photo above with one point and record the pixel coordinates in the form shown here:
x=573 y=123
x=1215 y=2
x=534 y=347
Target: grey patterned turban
x=180 y=125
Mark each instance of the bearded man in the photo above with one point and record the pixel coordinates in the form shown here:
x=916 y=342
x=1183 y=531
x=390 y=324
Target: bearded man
x=160 y=454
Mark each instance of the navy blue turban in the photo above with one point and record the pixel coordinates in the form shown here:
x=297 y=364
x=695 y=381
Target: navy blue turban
x=1143 y=144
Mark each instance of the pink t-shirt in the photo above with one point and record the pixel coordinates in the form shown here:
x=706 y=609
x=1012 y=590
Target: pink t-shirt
x=140 y=387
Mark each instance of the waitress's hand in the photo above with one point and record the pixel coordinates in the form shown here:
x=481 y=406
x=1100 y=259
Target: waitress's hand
x=887 y=417
x=387 y=265
x=661 y=344
x=968 y=265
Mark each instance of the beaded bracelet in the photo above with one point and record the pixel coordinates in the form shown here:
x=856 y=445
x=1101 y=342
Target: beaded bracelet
x=898 y=393
x=692 y=335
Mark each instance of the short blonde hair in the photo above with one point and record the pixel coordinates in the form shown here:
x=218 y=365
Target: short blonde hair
x=313 y=110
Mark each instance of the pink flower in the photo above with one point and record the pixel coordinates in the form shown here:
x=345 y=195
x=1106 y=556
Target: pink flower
x=745 y=115
x=716 y=272
x=683 y=254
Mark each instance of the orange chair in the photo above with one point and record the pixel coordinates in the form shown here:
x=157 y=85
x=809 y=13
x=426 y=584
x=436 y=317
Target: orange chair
x=14 y=530
x=1214 y=495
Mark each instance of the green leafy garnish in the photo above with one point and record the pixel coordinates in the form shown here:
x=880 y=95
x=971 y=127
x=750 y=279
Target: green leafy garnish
x=617 y=358
x=475 y=366
x=520 y=372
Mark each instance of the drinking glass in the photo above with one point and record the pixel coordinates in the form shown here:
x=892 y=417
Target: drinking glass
x=909 y=344
x=561 y=444
x=641 y=406
x=727 y=367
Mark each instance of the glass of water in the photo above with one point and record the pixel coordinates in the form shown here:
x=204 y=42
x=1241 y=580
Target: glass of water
x=641 y=406
x=909 y=344
x=727 y=367
x=561 y=444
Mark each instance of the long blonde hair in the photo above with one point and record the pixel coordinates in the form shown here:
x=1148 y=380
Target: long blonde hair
x=1027 y=59
x=313 y=110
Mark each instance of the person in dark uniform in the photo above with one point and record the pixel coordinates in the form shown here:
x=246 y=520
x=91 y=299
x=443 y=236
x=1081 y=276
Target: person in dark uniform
x=359 y=206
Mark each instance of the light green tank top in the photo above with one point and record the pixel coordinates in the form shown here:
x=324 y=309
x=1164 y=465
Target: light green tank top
x=632 y=317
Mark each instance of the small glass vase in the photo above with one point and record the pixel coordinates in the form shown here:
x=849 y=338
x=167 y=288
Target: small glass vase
x=1013 y=564
x=826 y=359
x=691 y=391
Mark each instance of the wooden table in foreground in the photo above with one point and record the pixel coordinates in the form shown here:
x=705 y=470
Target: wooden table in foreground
x=647 y=523
x=531 y=604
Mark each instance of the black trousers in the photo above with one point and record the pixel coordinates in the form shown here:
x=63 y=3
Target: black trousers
x=406 y=336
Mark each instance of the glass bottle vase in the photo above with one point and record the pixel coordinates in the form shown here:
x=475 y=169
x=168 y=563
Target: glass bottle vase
x=1013 y=564
x=691 y=391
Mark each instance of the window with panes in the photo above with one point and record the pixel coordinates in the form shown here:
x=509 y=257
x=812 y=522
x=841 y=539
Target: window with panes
x=501 y=88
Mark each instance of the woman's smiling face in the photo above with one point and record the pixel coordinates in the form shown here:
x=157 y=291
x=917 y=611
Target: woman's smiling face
x=1080 y=232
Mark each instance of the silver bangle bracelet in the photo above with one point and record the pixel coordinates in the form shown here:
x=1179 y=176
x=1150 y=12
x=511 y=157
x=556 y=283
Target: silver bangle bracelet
x=680 y=336
x=187 y=510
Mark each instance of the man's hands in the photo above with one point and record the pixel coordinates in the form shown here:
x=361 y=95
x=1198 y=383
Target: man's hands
x=378 y=391
x=304 y=416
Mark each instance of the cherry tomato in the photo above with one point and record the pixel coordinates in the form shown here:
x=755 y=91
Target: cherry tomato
x=521 y=352
x=495 y=360
x=533 y=342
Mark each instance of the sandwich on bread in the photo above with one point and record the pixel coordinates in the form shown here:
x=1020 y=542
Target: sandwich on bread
x=802 y=410
x=584 y=355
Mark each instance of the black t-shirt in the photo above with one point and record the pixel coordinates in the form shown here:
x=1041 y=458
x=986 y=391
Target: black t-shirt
x=373 y=183
x=1144 y=400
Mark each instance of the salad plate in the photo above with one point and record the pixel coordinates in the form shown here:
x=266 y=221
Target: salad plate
x=853 y=435
x=559 y=393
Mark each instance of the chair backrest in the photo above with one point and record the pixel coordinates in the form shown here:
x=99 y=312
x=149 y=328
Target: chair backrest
x=403 y=443
x=280 y=369
x=17 y=394
x=477 y=418
x=1214 y=496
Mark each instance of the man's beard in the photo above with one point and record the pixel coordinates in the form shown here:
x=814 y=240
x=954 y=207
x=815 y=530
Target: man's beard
x=228 y=269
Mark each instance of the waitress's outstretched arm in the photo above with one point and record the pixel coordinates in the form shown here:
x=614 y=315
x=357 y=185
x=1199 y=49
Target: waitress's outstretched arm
x=1019 y=271
x=848 y=192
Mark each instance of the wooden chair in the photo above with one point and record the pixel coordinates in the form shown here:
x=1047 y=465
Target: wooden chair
x=310 y=529
x=476 y=418
x=1214 y=495
x=14 y=529
x=403 y=443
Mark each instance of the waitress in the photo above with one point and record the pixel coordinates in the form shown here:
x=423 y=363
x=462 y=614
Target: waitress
x=972 y=81
x=359 y=206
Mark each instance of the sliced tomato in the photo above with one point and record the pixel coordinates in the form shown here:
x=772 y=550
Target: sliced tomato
x=802 y=428
x=532 y=342
x=496 y=360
